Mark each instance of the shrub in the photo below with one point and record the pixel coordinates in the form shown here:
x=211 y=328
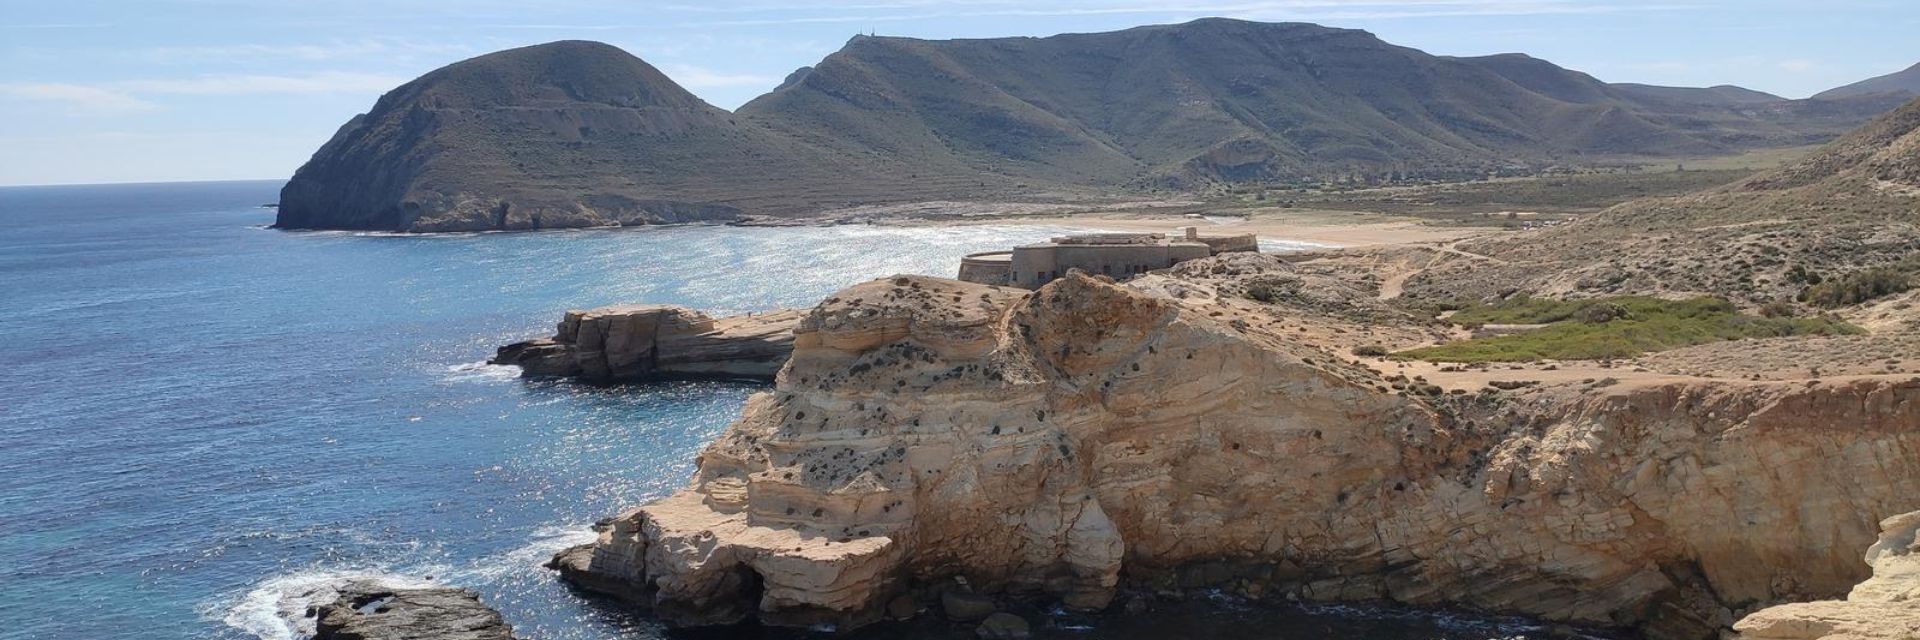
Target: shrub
x=1857 y=287
x=1649 y=324
x=1370 y=350
x=1270 y=290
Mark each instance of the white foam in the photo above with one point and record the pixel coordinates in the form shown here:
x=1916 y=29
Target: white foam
x=276 y=609
x=481 y=372
x=546 y=542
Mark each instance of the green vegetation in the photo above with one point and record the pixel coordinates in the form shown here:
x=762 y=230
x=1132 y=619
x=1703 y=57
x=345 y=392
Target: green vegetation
x=1857 y=287
x=1604 y=328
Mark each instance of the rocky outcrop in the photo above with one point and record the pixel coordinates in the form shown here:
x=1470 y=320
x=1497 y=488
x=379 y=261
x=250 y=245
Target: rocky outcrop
x=643 y=342
x=1090 y=436
x=369 y=611
x=1884 y=607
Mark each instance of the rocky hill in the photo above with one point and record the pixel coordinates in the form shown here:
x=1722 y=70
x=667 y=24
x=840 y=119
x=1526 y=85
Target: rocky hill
x=1906 y=81
x=1847 y=209
x=574 y=134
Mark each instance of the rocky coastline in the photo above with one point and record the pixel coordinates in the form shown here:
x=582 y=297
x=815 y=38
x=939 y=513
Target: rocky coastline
x=1884 y=607
x=1172 y=433
x=628 y=343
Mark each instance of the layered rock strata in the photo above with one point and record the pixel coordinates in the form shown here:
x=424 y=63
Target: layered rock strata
x=1173 y=433
x=368 y=611
x=1884 y=607
x=641 y=342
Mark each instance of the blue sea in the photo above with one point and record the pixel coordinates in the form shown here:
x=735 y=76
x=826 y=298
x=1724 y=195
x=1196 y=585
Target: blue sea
x=205 y=423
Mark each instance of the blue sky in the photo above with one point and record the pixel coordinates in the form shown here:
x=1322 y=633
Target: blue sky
x=161 y=90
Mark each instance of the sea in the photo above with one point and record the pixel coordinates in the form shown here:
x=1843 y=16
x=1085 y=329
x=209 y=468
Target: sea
x=205 y=424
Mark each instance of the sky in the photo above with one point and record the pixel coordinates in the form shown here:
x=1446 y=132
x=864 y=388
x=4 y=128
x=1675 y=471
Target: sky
x=95 y=91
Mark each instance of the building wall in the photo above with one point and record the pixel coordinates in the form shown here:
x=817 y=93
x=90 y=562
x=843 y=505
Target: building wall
x=1035 y=265
x=994 y=267
x=1224 y=244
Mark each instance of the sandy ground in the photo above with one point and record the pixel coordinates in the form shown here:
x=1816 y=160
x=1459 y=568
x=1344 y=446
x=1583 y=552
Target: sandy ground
x=1334 y=229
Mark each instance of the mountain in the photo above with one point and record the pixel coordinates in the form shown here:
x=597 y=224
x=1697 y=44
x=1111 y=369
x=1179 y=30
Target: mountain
x=573 y=134
x=1906 y=82
x=1851 y=207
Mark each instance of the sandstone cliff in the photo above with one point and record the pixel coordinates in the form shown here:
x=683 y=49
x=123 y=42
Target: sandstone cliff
x=1885 y=607
x=640 y=342
x=1175 y=433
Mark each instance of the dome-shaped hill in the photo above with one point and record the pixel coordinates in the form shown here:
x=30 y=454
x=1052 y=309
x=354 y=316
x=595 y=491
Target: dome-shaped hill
x=520 y=139
x=564 y=71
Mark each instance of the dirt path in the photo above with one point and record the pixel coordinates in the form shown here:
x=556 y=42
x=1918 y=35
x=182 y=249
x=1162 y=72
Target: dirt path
x=1396 y=284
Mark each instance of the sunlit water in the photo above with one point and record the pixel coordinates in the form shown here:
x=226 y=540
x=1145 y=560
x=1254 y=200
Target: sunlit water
x=204 y=424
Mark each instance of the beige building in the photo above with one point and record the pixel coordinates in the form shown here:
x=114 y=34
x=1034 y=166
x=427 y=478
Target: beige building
x=1120 y=255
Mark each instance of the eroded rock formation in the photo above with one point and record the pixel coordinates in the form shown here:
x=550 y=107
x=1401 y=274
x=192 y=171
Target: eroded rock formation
x=640 y=342
x=1175 y=433
x=369 y=611
x=1884 y=607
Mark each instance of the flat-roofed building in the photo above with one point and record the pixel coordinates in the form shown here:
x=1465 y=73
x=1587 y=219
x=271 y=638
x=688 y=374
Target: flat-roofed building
x=1119 y=255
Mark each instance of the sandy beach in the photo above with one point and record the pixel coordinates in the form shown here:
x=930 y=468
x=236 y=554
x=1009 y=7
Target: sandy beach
x=1332 y=228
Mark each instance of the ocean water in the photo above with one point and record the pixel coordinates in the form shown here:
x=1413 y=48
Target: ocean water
x=205 y=423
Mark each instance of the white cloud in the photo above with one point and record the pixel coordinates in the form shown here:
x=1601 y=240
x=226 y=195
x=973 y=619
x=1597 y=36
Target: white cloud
x=695 y=77
x=322 y=82
x=362 y=48
x=133 y=96
x=81 y=97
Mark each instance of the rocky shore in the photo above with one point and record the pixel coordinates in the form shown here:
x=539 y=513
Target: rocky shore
x=1884 y=607
x=1176 y=433
x=370 y=611
x=646 y=342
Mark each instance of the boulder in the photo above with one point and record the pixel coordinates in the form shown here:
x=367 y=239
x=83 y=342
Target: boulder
x=1004 y=626
x=370 y=611
x=962 y=605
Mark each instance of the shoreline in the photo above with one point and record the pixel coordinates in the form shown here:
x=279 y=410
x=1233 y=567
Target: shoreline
x=1315 y=227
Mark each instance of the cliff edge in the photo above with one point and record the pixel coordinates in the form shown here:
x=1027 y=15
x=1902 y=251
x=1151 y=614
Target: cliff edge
x=1884 y=607
x=1178 y=432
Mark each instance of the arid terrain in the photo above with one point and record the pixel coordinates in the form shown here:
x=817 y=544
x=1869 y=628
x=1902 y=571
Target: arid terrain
x=1664 y=417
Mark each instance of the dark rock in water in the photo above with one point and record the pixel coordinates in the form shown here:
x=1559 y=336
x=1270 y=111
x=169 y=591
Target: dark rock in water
x=903 y=607
x=1004 y=626
x=963 y=605
x=368 y=611
x=642 y=342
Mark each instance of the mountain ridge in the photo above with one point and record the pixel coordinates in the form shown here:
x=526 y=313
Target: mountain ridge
x=1905 y=82
x=575 y=133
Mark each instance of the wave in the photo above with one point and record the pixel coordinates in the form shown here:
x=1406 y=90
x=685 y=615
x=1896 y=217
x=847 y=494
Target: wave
x=280 y=607
x=481 y=371
x=545 y=542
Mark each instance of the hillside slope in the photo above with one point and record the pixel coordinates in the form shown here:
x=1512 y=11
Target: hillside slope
x=1851 y=206
x=573 y=134
x=1220 y=100
x=566 y=134
x=1906 y=81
